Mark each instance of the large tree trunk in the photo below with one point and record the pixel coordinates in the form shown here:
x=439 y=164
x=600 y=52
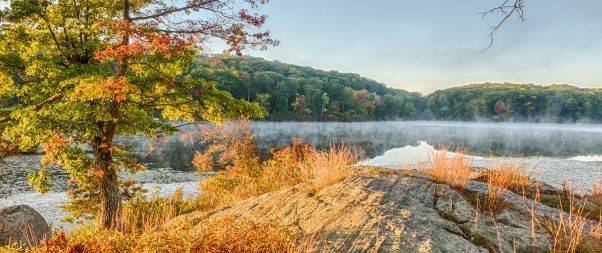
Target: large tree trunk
x=110 y=211
x=110 y=197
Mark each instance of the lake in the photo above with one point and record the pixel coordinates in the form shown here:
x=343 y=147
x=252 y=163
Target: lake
x=553 y=152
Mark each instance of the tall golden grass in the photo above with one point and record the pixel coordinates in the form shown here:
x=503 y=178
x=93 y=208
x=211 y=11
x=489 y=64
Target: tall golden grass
x=244 y=175
x=503 y=177
x=218 y=235
x=454 y=171
x=569 y=229
x=142 y=215
x=322 y=168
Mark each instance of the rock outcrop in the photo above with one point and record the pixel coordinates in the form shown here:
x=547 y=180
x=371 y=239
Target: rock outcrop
x=391 y=212
x=22 y=225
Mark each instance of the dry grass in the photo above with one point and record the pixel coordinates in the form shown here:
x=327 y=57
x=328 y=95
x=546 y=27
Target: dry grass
x=503 y=177
x=243 y=175
x=453 y=171
x=570 y=230
x=220 y=235
x=567 y=230
x=323 y=168
x=596 y=194
x=146 y=214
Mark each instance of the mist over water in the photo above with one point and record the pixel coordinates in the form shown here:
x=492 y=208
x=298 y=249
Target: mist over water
x=581 y=141
x=553 y=153
x=489 y=139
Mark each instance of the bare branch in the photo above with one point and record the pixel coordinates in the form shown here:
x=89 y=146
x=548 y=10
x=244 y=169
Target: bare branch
x=506 y=10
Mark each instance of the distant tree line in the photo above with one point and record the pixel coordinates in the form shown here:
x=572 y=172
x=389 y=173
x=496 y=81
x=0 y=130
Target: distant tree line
x=520 y=102
x=297 y=93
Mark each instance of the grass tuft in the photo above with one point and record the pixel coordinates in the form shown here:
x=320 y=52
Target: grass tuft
x=324 y=168
x=504 y=177
x=454 y=171
x=571 y=230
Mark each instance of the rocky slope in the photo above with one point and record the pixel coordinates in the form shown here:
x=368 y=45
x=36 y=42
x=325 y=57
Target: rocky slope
x=391 y=212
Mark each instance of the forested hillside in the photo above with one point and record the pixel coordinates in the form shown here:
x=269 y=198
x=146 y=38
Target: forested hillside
x=291 y=92
x=521 y=102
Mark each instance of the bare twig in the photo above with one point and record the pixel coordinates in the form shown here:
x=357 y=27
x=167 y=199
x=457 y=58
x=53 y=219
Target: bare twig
x=506 y=10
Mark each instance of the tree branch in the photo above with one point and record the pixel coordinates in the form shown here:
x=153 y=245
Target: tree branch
x=49 y=100
x=171 y=10
x=38 y=106
x=506 y=9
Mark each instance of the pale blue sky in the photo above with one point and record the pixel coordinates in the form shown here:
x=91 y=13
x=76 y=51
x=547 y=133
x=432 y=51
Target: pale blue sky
x=433 y=44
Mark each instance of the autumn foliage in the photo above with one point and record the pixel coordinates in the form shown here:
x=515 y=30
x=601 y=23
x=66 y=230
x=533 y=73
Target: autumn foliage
x=83 y=72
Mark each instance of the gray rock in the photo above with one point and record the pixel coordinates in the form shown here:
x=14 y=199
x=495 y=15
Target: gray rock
x=22 y=225
x=392 y=212
x=379 y=212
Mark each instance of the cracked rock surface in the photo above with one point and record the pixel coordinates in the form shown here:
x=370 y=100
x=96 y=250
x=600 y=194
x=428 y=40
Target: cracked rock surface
x=386 y=212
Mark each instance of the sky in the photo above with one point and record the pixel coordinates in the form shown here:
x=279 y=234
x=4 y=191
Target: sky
x=435 y=44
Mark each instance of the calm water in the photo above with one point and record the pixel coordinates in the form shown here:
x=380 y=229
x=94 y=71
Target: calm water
x=375 y=138
x=553 y=153
x=498 y=139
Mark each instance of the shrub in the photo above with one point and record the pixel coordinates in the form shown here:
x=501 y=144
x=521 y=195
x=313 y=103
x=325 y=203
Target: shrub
x=230 y=146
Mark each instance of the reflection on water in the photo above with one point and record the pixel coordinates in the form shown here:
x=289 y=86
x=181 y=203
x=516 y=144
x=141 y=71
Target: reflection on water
x=498 y=139
x=374 y=138
x=587 y=158
x=581 y=174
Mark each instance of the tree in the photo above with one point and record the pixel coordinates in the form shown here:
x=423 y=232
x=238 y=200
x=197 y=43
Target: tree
x=323 y=104
x=500 y=108
x=84 y=71
x=280 y=98
x=300 y=105
x=263 y=99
